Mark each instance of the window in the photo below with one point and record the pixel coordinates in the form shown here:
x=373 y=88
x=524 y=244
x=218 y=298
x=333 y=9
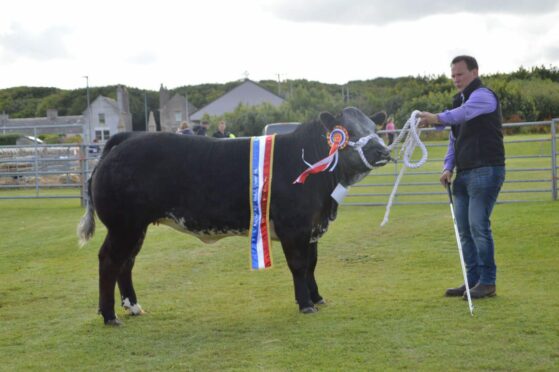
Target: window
x=102 y=119
x=102 y=135
x=178 y=116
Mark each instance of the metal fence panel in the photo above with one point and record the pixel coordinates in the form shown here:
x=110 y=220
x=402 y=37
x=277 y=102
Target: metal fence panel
x=61 y=171
x=531 y=166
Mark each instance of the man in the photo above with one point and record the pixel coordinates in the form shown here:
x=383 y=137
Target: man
x=201 y=129
x=477 y=152
x=222 y=132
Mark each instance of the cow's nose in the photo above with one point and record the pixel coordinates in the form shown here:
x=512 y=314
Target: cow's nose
x=383 y=156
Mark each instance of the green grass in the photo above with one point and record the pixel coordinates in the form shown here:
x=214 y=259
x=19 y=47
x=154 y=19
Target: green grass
x=207 y=311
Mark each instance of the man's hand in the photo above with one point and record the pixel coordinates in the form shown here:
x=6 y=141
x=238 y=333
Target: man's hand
x=446 y=178
x=427 y=118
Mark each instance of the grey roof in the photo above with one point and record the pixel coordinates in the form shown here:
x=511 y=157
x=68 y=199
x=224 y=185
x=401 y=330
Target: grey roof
x=60 y=120
x=108 y=100
x=248 y=93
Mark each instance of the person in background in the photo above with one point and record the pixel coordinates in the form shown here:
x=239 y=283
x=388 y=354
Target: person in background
x=222 y=132
x=201 y=129
x=390 y=129
x=476 y=151
x=184 y=129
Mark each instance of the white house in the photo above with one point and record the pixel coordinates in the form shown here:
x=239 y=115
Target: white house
x=105 y=116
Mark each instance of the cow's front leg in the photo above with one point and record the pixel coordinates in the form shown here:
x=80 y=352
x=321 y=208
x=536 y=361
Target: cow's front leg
x=297 y=255
x=311 y=281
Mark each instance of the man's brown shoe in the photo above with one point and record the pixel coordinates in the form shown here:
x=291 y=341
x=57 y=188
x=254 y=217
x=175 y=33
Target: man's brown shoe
x=456 y=292
x=481 y=291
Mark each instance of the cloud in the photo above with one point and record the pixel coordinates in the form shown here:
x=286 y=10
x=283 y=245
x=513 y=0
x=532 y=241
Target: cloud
x=552 y=53
x=379 y=12
x=143 y=58
x=44 y=46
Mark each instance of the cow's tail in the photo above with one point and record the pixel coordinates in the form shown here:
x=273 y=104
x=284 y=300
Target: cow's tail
x=86 y=226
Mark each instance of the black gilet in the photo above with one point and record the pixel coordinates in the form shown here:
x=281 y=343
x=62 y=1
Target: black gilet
x=479 y=141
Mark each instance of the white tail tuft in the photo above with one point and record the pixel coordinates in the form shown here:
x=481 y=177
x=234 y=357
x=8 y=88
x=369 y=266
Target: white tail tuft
x=86 y=226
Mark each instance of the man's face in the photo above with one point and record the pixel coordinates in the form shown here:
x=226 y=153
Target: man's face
x=461 y=76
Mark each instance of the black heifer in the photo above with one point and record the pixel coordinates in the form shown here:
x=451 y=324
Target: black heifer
x=200 y=185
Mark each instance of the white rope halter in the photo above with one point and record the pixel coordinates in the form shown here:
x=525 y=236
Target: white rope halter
x=412 y=140
x=358 y=146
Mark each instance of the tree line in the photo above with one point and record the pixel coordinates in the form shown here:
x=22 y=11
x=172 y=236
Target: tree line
x=526 y=95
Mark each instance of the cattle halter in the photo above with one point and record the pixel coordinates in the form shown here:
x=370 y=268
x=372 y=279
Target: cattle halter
x=358 y=146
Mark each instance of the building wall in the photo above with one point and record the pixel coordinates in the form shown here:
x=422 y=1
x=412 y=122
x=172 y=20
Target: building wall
x=173 y=110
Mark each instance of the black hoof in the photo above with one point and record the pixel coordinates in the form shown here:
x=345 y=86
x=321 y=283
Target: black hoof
x=308 y=310
x=113 y=322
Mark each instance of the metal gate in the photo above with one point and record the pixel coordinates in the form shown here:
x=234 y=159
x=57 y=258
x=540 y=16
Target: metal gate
x=38 y=170
x=531 y=166
x=61 y=171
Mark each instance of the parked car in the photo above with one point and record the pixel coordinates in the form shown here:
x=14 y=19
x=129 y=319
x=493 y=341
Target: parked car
x=280 y=128
x=94 y=149
x=29 y=140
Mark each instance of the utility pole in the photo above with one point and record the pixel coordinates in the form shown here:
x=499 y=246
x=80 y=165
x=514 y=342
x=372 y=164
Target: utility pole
x=88 y=136
x=146 y=109
x=85 y=150
x=187 y=117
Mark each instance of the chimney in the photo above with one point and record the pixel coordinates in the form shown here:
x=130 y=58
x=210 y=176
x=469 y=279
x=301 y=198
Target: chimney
x=122 y=99
x=164 y=96
x=52 y=114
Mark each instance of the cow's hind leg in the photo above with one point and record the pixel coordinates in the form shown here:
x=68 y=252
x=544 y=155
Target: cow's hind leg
x=297 y=256
x=125 y=285
x=115 y=251
x=316 y=298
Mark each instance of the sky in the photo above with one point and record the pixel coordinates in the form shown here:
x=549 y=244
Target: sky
x=145 y=44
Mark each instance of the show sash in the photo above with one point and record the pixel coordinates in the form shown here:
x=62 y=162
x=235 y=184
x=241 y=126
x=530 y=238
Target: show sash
x=261 y=165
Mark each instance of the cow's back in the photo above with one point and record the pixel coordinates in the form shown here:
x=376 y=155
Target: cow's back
x=152 y=176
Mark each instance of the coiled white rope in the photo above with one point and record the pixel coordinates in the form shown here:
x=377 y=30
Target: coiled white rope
x=411 y=131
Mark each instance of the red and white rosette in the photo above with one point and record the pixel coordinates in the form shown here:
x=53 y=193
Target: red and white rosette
x=338 y=138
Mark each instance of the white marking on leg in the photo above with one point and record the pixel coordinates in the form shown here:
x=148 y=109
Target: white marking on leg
x=135 y=309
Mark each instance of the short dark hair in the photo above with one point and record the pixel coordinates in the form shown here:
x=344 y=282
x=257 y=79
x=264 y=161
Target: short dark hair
x=469 y=60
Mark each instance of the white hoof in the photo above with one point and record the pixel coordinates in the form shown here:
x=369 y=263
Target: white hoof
x=135 y=309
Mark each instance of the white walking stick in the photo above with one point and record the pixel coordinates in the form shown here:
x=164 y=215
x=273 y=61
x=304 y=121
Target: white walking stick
x=470 y=304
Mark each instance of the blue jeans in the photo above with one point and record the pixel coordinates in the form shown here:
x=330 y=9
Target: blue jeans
x=475 y=193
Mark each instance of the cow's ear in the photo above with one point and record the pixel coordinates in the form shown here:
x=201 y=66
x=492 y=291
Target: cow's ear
x=328 y=120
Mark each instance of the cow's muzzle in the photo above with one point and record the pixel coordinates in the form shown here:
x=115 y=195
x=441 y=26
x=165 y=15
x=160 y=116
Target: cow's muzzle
x=381 y=153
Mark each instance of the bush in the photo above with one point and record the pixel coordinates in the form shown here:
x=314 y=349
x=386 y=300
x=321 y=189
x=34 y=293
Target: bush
x=53 y=139
x=9 y=139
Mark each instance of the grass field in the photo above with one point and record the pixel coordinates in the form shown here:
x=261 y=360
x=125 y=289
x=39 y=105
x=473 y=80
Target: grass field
x=207 y=311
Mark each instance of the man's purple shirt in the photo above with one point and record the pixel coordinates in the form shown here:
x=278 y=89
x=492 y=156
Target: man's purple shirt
x=481 y=101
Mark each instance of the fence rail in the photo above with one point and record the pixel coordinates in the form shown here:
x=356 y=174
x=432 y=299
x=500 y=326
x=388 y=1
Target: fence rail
x=531 y=172
x=40 y=171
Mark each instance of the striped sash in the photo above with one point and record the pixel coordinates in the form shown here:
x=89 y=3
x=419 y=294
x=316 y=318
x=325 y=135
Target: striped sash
x=261 y=162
